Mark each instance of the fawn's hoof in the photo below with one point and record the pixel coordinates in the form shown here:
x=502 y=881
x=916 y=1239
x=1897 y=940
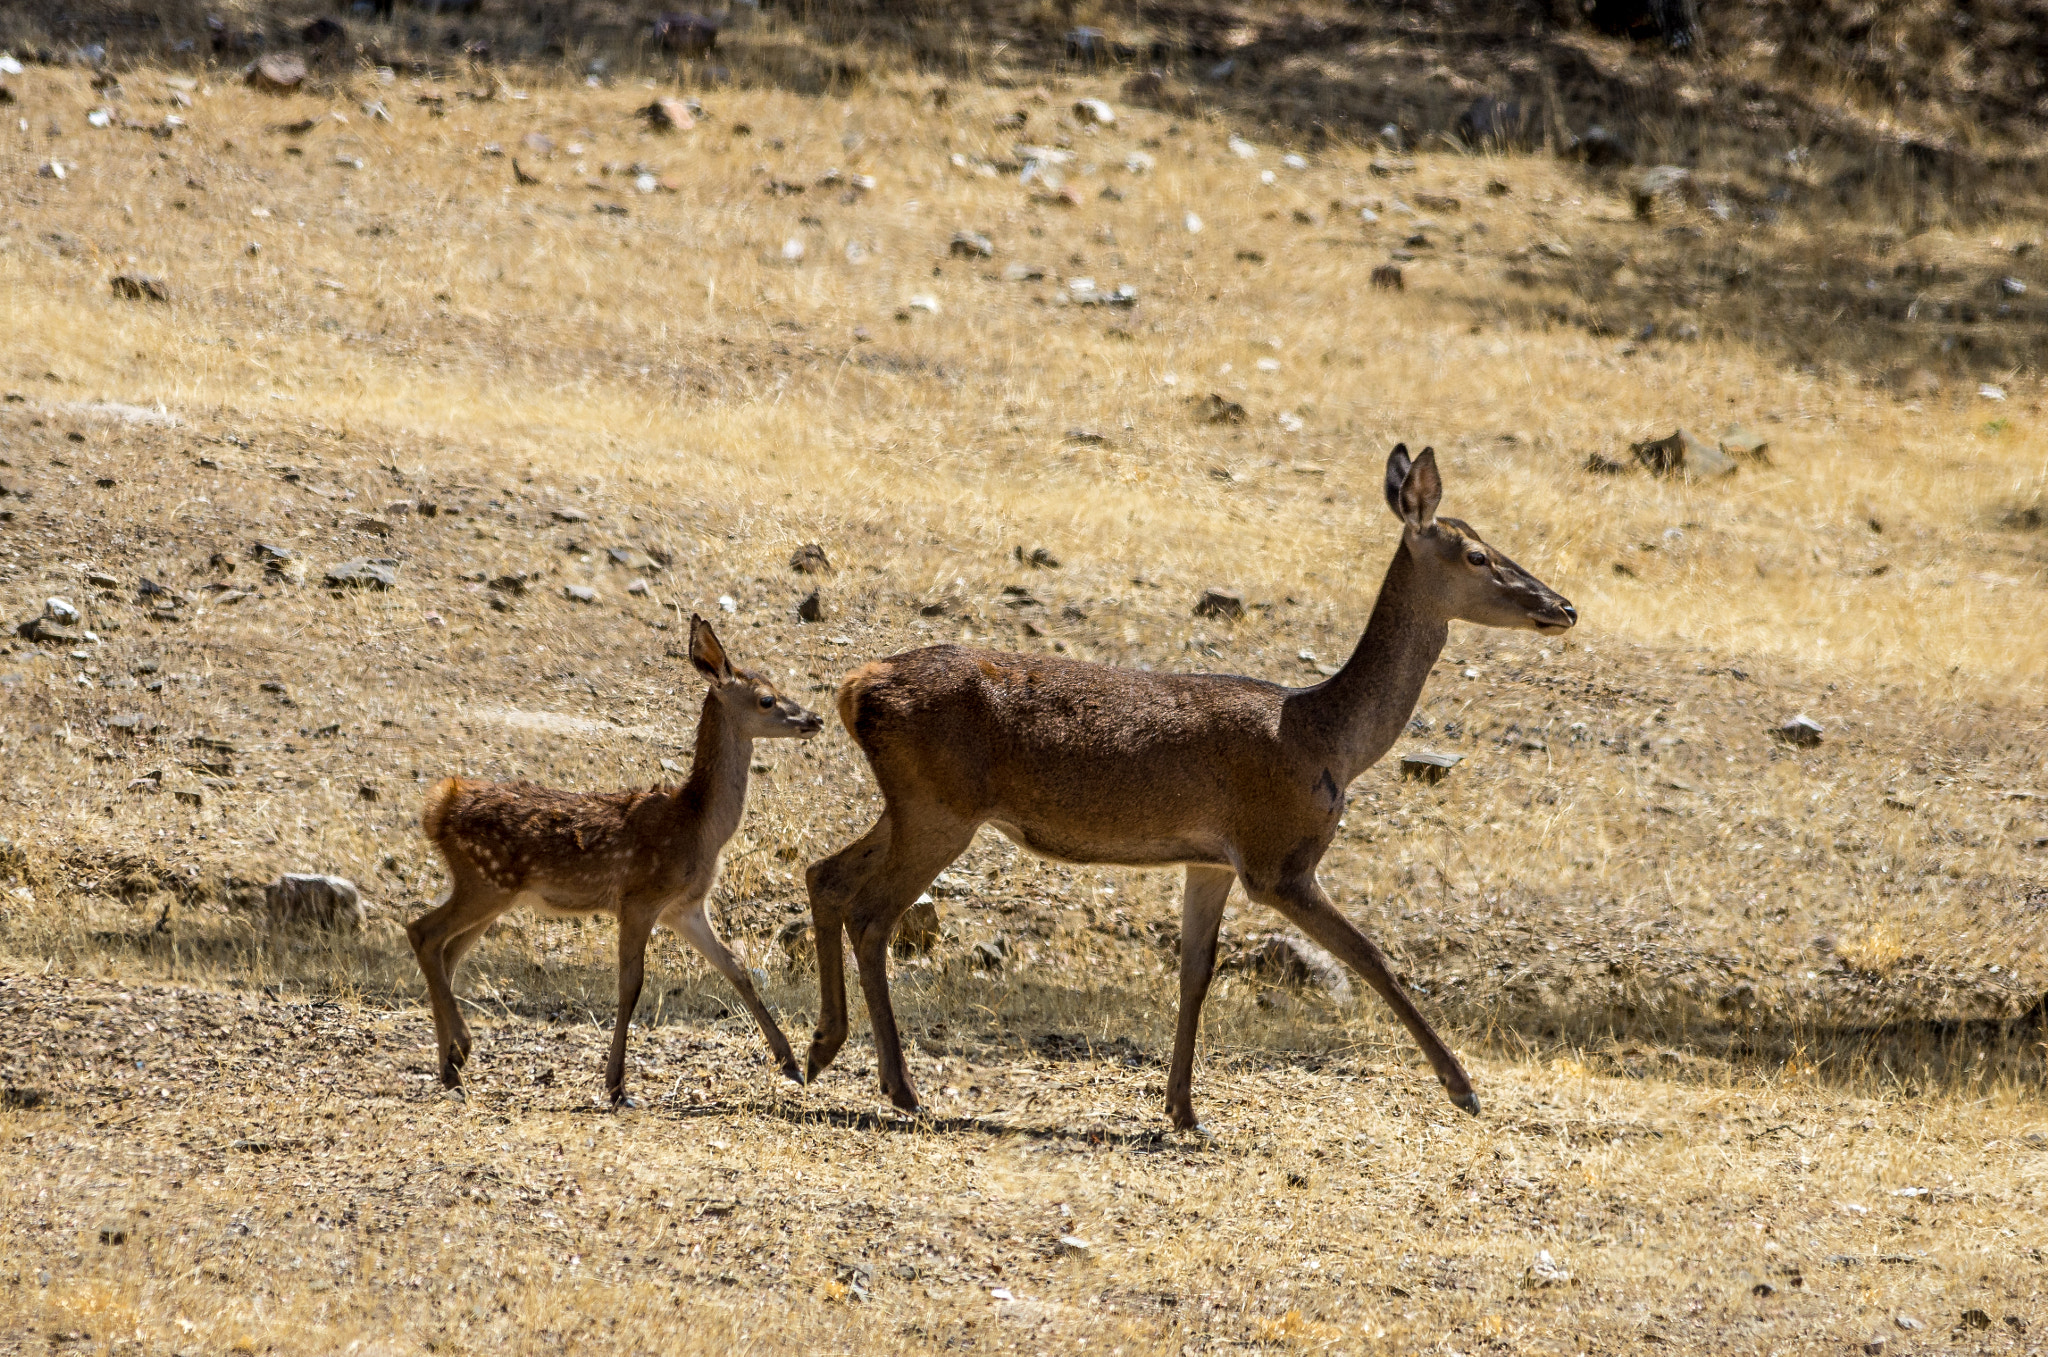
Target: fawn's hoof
x=793 y=1072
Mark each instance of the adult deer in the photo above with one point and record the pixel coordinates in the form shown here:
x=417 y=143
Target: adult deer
x=1235 y=778
x=646 y=857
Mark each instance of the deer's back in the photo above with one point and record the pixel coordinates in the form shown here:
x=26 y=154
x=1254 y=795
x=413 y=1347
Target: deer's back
x=1082 y=761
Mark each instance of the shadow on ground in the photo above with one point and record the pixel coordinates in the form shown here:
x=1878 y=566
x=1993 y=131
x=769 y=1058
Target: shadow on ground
x=954 y=1010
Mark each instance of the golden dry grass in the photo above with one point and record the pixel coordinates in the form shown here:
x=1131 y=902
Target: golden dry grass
x=1724 y=999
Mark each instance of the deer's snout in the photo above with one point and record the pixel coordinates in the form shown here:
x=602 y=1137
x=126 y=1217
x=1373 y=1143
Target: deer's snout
x=810 y=725
x=1560 y=615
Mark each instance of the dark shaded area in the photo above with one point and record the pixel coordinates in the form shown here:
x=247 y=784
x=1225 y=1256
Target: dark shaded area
x=1674 y=1039
x=1760 y=147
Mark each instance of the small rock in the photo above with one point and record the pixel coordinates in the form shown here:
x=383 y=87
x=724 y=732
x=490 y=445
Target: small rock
x=1653 y=184
x=139 y=287
x=1094 y=111
x=812 y=609
x=1740 y=442
x=971 y=245
x=1876 y=1346
x=1763 y=1290
x=1387 y=277
x=1299 y=964
x=329 y=902
x=1599 y=146
x=1497 y=124
x=796 y=943
x=1193 y=223
x=42 y=629
x=277 y=73
x=1801 y=730
x=363 y=573
x=685 y=35
x=1427 y=765
x=1216 y=410
x=1220 y=603
x=793 y=251
x=810 y=559
x=376 y=527
x=571 y=514
x=926 y=303
x=1545 y=1271
x=1022 y=273
x=60 y=611
x=1069 y=1246
x=579 y=593
x=638 y=587
x=917 y=931
x=1038 y=558
x=1684 y=453
x=1908 y=1322
x=991 y=955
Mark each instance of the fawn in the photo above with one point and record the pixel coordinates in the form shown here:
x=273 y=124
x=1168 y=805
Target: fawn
x=644 y=856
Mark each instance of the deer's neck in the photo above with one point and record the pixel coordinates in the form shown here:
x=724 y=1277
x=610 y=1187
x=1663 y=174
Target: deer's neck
x=1363 y=708
x=712 y=800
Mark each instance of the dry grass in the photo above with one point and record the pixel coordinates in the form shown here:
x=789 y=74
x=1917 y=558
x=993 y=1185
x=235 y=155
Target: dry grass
x=1723 y=998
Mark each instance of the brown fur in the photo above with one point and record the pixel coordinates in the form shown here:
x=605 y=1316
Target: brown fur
x=644 y=856
x=1234 y=778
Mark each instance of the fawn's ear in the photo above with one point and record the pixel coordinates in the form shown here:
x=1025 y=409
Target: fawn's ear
x=1420 y=489
x=706 y=653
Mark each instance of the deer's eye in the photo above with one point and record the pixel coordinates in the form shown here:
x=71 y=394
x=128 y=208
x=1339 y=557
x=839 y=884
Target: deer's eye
x=1475 y=557
x=767 y=701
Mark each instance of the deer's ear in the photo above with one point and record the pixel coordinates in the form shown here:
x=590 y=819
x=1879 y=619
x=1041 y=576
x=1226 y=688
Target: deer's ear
x=706 y=654
x=1421 y=488
x=1397 y=472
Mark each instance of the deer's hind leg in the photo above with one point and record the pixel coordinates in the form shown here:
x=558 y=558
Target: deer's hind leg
x=832 y=884
x=440 y=938
x=1201 y=916
x=694 y=923
x=918 y=852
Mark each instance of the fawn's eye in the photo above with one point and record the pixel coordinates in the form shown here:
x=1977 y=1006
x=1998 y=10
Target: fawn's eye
x=1476 y=557
x=767 y=701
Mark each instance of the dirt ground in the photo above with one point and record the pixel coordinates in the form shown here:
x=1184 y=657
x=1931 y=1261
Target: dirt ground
x=1756 y=1026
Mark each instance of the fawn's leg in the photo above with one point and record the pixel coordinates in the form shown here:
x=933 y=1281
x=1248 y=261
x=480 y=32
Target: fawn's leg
x=469 y=908
x=635 y=924
x=1201 y=915
x=694 y=923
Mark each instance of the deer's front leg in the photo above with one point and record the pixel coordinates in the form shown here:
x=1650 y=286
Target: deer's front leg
x=1304 y=903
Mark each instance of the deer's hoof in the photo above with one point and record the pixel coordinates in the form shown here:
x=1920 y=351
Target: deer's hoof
x=903 y=1099
x=793 y=1072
